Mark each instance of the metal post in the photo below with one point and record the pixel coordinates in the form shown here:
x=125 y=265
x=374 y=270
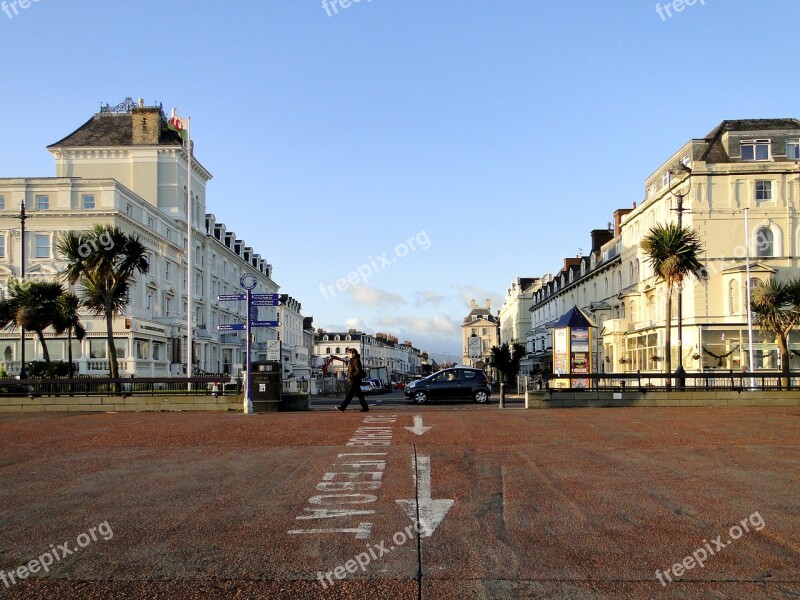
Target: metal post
x=680 y=373
x=502 y=394
x=750 y=365
x=248 y=398
x=23 y=374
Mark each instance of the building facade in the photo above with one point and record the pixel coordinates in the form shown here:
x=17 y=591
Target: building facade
x=514 y=314
x=125 y=168
x=480 y=332
x=740 y=166
x=379 y=350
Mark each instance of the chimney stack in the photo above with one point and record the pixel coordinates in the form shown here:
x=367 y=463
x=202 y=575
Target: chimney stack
x=473 y=304
x=146 y=125
x=488 y=304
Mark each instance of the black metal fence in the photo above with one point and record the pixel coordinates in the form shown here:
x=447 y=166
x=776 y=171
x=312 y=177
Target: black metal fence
x=644 y=382
x=103 y=386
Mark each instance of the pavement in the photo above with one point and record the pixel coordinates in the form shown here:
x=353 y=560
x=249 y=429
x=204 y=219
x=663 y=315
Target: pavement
x=572 y=503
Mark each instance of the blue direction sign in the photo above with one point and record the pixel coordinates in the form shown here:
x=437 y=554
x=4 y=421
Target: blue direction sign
x=231 y=297
x=232 y=327
x=265 y=323
x=268 y=302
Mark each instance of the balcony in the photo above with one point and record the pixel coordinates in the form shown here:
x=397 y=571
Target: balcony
x=616 y=326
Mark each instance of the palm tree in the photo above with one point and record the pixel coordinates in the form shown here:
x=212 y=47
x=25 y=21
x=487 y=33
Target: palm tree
x=32 y=305
x=776 y=308
x=673 y=252
x=104 y=259
x=69 y=320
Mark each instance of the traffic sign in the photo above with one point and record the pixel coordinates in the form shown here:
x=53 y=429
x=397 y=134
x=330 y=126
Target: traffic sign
x=231 y=297
x=232 y=327
x=265 y=323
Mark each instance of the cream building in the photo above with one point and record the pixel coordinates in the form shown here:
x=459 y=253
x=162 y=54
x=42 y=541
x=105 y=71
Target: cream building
x=514 y=314
x=379 y=350
x=480 y=332
x=125 y=168
x=741 y=165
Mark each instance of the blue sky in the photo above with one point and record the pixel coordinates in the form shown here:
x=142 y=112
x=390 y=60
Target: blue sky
x=500 y=132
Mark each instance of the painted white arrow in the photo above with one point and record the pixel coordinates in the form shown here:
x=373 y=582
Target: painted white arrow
x=418 y=428
x=431 y=512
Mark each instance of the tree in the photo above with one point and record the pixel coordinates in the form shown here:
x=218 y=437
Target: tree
x=69 y=320
x=104 y=260
x=673 y=253
x=776 y=309
x=32 y=305
x=506 y=360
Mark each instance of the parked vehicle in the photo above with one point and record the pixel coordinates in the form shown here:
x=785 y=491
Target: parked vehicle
x=369 y=387
x=450 y=384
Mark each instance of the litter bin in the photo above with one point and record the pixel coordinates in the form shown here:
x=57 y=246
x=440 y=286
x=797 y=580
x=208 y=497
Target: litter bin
x=266 y=385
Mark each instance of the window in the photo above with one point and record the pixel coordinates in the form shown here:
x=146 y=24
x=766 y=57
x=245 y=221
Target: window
x=2 y=246
x=765 y=242
x=158 y=350
x=150 y=222
x=42 y=246
x=128 y=209
x=42 y=202
x=167 y=273
x=169 y=234
x=167 y=305
x=665 y=179
x=763 y=191
x=755 y=150
x=97 y=348
x=2 y=202
x=733 y=297
x=793 y=149
x=141 y=349
x=148 y=301
x=88 y=201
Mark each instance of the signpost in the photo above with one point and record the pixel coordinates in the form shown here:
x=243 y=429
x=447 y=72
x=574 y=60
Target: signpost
x=248 y=282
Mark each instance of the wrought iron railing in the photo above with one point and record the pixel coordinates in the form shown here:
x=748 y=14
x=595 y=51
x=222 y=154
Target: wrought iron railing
x=123 y=386
x=655 y=381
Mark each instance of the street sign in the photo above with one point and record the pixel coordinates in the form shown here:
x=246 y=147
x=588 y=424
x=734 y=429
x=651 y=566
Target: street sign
x=265 y=323
x=232 y=327
x=263 y=302
x=275 y=297
x=231 y=297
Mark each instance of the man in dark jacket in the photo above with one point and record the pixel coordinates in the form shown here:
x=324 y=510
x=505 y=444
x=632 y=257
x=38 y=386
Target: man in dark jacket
x=355 y=374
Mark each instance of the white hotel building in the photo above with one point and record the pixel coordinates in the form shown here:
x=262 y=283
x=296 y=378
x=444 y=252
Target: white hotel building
x=740 y=165
x=125 y=168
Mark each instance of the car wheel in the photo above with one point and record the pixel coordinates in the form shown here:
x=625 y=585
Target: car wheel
x=420 y=397
x=481 y=397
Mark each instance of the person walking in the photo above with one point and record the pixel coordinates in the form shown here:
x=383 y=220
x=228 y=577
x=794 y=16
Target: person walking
x=355 y=374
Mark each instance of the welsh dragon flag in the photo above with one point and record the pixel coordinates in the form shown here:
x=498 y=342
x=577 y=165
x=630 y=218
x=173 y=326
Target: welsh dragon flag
x=179 y=125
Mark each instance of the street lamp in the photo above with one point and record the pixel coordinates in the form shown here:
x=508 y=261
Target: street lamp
x=680 y=373
x=22 y=373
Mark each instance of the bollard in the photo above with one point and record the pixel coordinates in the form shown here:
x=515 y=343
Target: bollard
x=502 y=395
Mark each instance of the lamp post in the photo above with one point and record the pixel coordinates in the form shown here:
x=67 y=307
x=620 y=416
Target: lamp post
x=23 y=374
x=680 y=373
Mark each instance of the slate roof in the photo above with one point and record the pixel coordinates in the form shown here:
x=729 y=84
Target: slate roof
x=113 y=129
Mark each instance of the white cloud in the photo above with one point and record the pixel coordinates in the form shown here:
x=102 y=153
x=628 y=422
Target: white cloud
x=427 y=297
x=472 y=292
x=437 y=325
x=365 y=295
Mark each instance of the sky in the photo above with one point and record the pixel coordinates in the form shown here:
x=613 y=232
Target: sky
x=429 y=151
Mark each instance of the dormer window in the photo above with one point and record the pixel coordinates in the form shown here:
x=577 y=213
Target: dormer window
x=755 y=150
x=793 y=149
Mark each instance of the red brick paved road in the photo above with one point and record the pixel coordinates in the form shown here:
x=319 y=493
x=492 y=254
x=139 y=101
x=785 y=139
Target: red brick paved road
x=547 y=504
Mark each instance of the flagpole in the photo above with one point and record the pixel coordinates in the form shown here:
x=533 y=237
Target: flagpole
x=190 y=248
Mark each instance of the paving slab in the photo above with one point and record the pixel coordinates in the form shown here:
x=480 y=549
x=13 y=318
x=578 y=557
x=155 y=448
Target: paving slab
x=589 y=503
